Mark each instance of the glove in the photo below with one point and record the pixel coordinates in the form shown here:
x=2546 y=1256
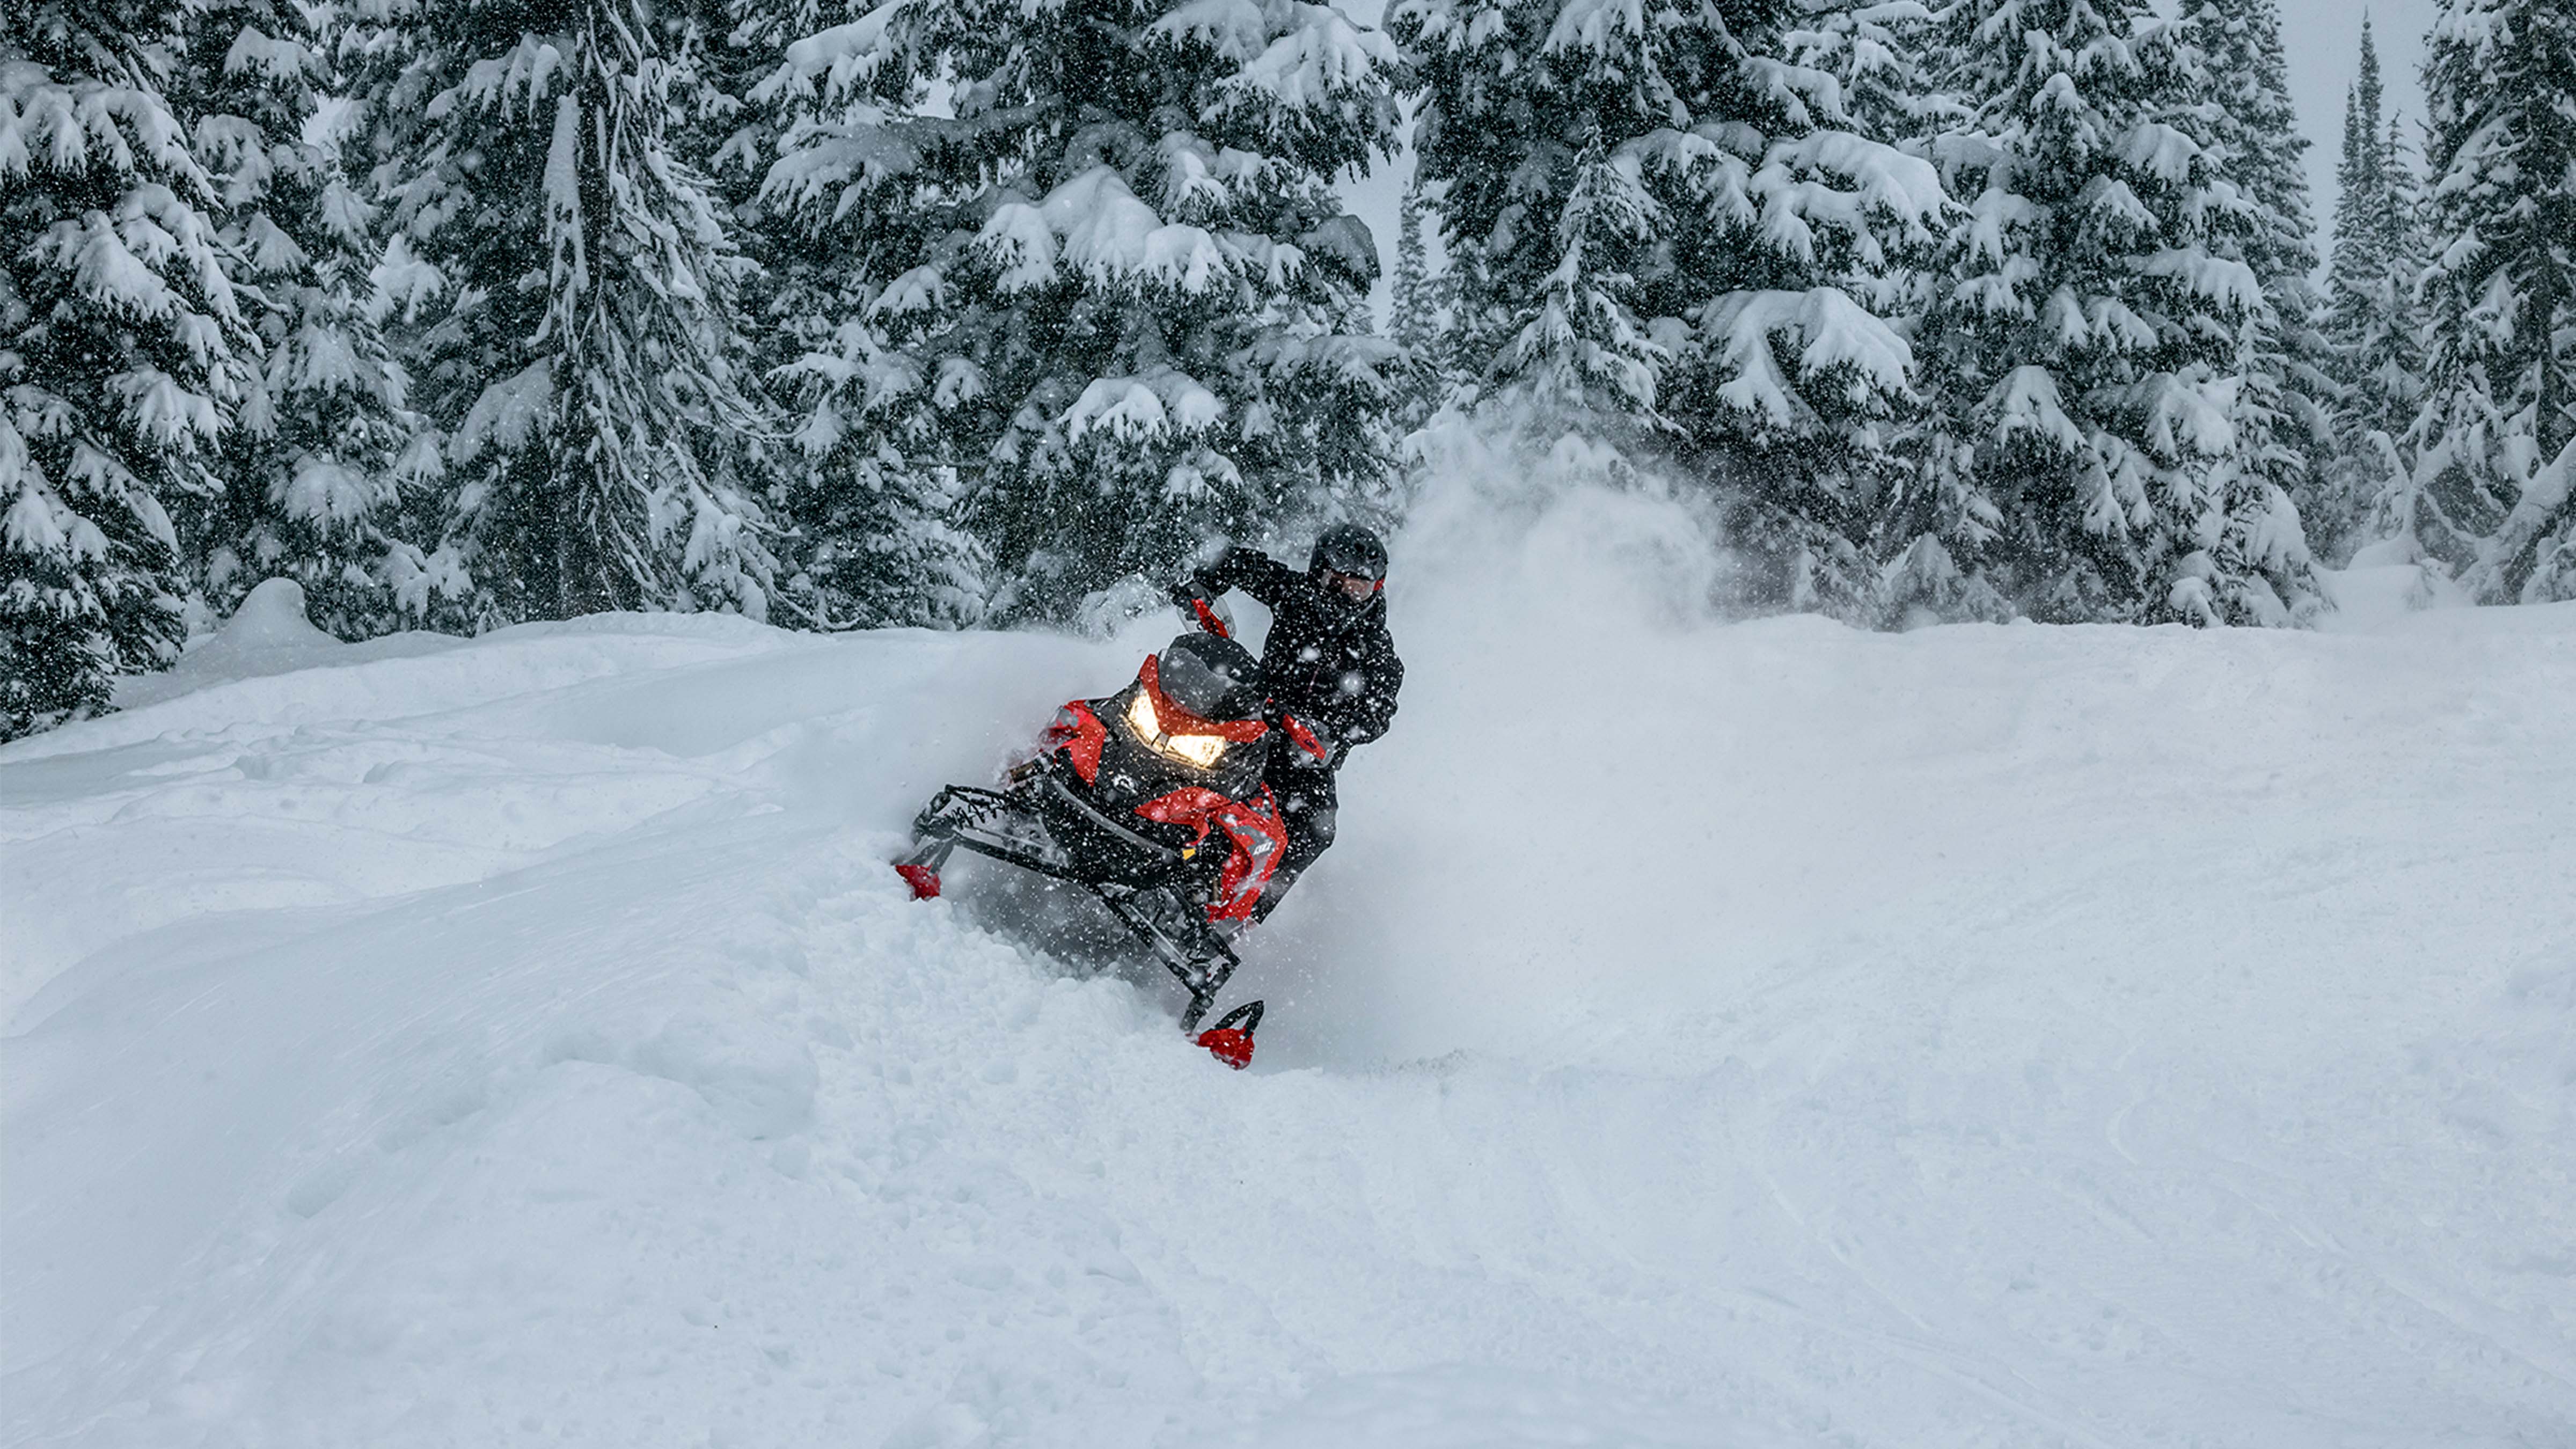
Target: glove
x=1202 y=608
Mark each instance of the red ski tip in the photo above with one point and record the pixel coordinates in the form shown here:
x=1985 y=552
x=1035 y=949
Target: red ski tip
x=1232 y=1047
x=923 y=880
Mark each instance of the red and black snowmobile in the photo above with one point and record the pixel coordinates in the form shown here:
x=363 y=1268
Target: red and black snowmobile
x=1153 y=798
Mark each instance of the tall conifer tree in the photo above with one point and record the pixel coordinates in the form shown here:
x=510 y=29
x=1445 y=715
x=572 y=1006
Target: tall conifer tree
x=1109 y=283
x=2091 y=332
x=2494 y=444
x=122 y=351
x=2372 y=323
x=873 y=498
x=1463 y=329
x=1414 y=320
x=2361 y=179
x=2285 y=409
x=572 y=281
x=1668 y=238
x=312 y=469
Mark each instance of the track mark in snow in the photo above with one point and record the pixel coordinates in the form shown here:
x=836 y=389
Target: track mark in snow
x=657 y=1115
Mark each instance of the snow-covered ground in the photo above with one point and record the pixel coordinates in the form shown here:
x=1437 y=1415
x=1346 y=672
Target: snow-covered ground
x=1756 y=1034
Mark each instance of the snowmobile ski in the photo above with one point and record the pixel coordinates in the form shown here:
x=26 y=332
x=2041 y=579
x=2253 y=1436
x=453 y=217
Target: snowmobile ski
x=1230 y=1040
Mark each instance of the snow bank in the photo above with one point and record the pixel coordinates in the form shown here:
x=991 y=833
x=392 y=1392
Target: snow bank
x=1761 y=1034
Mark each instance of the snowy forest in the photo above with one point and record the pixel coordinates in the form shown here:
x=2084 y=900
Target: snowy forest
x=465 y=313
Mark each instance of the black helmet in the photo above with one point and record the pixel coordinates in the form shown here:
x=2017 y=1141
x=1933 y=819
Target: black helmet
x=1349 y=550
x=1213 y=678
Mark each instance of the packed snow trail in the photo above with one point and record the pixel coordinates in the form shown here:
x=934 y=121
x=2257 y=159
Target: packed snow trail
x=1764 y=1034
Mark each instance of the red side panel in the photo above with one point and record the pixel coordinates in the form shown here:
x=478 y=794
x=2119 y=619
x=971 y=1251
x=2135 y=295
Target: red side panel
x=1253 y=832
x=1259 y=840
x=923 y=880
x=1080 y=734
x=1190 y=805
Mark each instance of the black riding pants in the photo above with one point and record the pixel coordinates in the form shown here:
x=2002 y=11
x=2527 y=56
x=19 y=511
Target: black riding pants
x=1308 y=806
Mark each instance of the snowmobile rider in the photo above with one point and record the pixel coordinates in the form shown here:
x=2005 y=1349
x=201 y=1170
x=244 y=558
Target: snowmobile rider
x=1330 y=665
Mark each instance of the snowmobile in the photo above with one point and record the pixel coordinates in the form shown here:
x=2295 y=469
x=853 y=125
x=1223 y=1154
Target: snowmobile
x=1153 y=799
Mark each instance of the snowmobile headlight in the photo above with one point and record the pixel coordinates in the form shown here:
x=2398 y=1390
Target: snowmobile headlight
x=1200 y=750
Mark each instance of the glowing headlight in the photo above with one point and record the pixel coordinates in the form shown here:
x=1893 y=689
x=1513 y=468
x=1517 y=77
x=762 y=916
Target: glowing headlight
x=1200 y=750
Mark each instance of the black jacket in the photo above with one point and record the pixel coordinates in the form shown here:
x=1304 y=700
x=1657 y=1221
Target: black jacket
x=1329 y=662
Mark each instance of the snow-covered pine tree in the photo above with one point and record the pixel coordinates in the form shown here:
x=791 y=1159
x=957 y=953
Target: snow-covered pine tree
x=2494 y=442
x=121 y=348
x=311 y=469
x=2090 y=334
x=870 y=506
x=1671 y=232
x=1464 y=328
x=1415 y=321
x=2285 y=409
x=2361 y=174
x=2371 y=320
x=1885 y=57
x=1108 y=282
x=571 y=282
x=1879 y=53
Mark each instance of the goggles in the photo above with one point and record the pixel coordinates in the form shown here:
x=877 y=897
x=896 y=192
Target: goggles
x=1354 y=587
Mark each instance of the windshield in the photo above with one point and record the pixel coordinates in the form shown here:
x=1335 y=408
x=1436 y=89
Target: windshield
x=1209 y=693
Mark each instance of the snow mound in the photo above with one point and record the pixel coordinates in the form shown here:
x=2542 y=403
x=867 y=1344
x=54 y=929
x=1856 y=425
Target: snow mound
x=2386 y=581
x=1758 y=1035
x=268 y=634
